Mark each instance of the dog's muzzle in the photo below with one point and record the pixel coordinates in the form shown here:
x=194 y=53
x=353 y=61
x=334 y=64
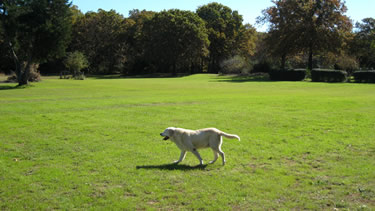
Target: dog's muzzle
x=165 y=137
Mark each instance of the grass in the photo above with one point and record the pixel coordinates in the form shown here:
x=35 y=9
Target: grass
x=95 y=144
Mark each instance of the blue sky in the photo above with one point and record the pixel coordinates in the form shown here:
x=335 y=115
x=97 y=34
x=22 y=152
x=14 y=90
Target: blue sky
x=249 y=9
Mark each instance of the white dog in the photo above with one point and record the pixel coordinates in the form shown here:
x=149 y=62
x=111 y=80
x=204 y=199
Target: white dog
x=191 y=140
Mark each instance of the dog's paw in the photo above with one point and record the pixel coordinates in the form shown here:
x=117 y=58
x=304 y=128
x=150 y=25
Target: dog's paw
x=212 y=161
x=176 y=162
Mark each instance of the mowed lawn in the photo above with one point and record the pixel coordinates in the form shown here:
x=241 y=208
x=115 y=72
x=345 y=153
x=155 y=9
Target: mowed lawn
x=95 y=144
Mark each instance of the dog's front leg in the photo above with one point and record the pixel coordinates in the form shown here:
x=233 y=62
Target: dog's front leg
x=196 y=153
x=182 y=157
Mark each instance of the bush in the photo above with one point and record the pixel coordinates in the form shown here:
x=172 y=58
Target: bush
x=75 y=62
x=12 y=79
x=288 y=75
x=347 y=63
x=321 y=75
x=34 y=73
x=79 y=76
x=235 y=65
x=367 y=76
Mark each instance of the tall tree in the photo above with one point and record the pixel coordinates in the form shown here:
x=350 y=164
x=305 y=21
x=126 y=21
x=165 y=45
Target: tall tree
x=5 y=60
x=35 y=30
x=175 y=38
x=99 y=35
x=310 y=25
x=364 y=43
x=223 y=27
x=136 y=62
x=283 y=35
x=246 y=41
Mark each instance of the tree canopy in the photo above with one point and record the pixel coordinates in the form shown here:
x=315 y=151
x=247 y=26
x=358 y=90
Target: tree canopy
x=175 y=38
x=99 y=35
x=212 y=39
x=35 y=31
x=224 y=26
x=364 y=43
x=312 y=26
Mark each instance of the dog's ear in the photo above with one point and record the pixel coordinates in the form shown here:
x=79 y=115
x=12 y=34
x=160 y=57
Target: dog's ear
x=171 y=131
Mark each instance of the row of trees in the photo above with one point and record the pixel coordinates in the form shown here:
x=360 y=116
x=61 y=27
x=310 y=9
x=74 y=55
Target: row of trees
x=318 y=28
x=302 y=33
x=168 y=41
x=146 y=42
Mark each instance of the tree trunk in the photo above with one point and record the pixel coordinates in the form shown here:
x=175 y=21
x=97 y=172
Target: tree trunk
x=201 y=65
x=22 y=69
x=283 y=61
x=310 y=62
x=23 y=79
x=17 y=63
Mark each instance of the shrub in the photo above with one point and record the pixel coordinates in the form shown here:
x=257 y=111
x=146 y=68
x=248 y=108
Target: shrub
x=75 y=62
x=34 y=75
x=366 y=76
x=322 y=75
x=347 y=63
x=12 y=79
x=288 y=75
x=235 y=65
x=79 y=76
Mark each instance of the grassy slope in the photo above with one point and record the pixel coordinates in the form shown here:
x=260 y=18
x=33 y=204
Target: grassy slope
x=94 y=143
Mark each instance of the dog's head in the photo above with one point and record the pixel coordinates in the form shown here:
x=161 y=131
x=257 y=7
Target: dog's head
x=167 y=133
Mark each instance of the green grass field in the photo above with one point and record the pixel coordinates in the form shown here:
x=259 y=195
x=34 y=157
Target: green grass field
x=95 y=144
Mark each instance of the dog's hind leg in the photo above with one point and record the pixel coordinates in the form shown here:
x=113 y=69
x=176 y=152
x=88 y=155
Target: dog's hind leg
x=215 y=143
x=216 y=155
x=182 y=157
x=196 y=153
x=221 y=153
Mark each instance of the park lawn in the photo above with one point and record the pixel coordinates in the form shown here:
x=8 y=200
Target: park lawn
x=95 y=144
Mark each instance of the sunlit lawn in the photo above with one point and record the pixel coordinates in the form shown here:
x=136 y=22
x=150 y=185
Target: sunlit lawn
x=95 y=144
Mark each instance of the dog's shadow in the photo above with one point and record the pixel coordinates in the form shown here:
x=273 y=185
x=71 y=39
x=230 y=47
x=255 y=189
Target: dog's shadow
x=173 y=167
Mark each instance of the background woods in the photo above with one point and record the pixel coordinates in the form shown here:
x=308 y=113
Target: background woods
x=35 y=36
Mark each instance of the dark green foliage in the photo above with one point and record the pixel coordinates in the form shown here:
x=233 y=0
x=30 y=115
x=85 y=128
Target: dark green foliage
x=34 y=32
x=326 y=75
x=262 y=67
x=173 y=41
x=52 y=67
x=363 y=45
x=288 y=75
x=367 y=76
x=223 y=27
x=101 y=36
x=305 y=25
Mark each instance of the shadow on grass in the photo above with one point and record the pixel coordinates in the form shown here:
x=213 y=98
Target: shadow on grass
x=10 y=87
x=155 y=75
x=241 y=79
x=173 y=167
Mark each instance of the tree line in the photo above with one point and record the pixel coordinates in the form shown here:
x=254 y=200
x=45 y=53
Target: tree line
x=51 y=36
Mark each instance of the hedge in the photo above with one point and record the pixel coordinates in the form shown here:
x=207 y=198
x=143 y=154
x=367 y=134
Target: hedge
x=322 y=75
x=366 y=76
x=288 y=75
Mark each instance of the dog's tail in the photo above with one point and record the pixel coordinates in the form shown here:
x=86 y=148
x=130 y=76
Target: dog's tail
x=231 y=136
